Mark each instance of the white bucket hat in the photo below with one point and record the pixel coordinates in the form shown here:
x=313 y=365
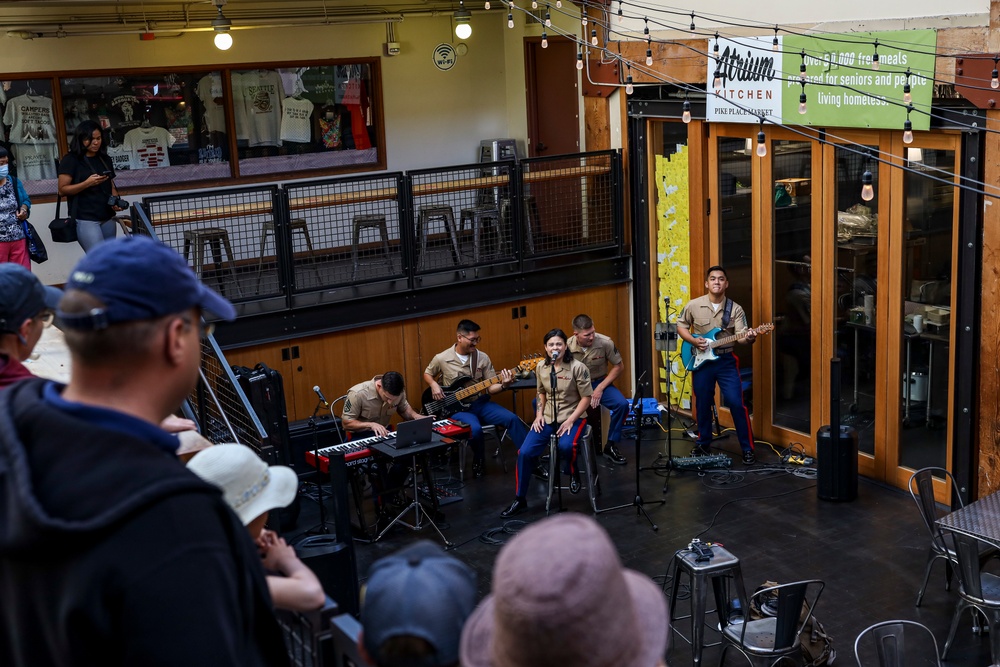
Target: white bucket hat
x=249 y=485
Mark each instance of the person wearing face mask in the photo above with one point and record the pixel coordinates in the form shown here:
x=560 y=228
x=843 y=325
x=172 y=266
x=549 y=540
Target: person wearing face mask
x=562 y=413
x=14 y=208
x=86 y=179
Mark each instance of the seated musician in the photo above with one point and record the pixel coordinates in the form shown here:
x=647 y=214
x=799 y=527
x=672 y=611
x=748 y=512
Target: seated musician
x=367 y=411
x=563 y=413
x=465 y=360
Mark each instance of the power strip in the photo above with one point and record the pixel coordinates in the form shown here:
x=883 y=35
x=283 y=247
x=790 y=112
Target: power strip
x=798 y=459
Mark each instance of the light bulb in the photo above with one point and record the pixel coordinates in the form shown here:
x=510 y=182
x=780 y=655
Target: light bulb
x=579 y=61
x=692 y=22
x=463 y=30
x=548 y=20
x=802 y=72
x=629 y=88
x=802 y=103
x=686 y=116
x=717 y=82
x=583 y=20
x=223 y=41
x=621 y=17
x=545 y=41
x=995 y=81
x=774 y=43
x=534 y=4
x=875 y=64
x=559 y=4
x=867 y=191
x=907 y=132
x=593 y=37
x=761 y=144
x=649 y=57
x=510 y=20
x=907 y=96
x=486 y=5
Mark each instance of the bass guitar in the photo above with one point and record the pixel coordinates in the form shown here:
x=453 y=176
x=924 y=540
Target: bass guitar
x=692 y=357
x=460 y=394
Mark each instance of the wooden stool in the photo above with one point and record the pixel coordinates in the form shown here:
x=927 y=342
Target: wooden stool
x=216 y=238
x=297 y=225
x=479 y=216
x=361 y=223
x=447 y=216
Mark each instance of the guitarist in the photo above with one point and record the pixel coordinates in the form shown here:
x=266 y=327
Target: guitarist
x=700 y=316
x=463 y=359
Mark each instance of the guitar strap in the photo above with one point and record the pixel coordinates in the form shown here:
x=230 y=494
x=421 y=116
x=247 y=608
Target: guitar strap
x=727 y=313
x=474 y=360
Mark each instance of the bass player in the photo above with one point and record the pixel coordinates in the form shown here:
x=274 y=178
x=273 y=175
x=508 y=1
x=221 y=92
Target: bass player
x=700 y=316
x=465 y=360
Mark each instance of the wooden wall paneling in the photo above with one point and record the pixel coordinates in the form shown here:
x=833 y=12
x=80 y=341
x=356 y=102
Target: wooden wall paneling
x=596 y=124
x=988 y=463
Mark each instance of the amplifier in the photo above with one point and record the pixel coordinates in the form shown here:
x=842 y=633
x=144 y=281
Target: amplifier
x=300 y=438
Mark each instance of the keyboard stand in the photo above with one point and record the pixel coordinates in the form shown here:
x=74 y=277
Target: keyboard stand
x=420 y=514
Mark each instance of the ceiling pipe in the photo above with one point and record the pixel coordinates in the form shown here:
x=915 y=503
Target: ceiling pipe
x=60 y=33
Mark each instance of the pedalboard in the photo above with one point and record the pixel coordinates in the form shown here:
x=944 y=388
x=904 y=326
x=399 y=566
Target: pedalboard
x=702 y=550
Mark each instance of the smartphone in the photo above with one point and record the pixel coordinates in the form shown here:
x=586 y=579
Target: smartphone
x=107 y=173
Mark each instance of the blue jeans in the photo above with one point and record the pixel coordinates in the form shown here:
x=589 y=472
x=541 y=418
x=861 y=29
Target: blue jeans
x=537 y=444
x=617 y=405
x=485 y=411
x=91 y=233
x=726 y=372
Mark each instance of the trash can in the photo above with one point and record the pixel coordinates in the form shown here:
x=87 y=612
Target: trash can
x=837 y=464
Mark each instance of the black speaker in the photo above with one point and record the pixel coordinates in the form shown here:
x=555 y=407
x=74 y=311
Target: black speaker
x=332 y=562
x=837 y=464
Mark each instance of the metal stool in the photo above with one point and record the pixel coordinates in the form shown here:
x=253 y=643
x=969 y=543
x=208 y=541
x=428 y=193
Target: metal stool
x=530 y=218
x=585 y=455
x=267 y=229
x=216 y=238
x=479 y=216
x=447 y=216
x=719 y=568
x=369 y=221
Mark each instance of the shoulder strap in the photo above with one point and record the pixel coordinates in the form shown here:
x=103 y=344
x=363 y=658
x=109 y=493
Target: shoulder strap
x=727 y=313
x=17 y=195
x=474 y=360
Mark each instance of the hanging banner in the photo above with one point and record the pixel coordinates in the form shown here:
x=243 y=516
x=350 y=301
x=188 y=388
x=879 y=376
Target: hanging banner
x=749 y=79
x=844 y=90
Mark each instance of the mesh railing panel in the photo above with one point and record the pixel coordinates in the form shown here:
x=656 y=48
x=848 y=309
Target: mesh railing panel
x=353 y=227
x=228 y=238
x=568 y=203
x=457 y=218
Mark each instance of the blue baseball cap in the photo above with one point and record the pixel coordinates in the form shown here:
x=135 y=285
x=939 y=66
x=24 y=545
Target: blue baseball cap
x=419 y=591
x=22 y=296
x=137 y=278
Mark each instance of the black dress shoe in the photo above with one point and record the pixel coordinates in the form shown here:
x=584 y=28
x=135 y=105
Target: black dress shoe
x=611 y=453
x=574 y=482
x=477 y=469
x=519 y=505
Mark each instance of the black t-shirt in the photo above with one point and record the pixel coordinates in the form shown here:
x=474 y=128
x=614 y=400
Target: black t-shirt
x=91 y=203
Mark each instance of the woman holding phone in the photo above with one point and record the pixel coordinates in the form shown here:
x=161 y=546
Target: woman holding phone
x=86 y=179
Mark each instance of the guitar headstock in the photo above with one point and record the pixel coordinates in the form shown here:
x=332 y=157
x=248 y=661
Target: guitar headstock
x=765 y=328
x=530 y=363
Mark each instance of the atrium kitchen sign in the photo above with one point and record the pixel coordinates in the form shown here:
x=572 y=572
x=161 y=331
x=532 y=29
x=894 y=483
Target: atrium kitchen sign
x=842 y=89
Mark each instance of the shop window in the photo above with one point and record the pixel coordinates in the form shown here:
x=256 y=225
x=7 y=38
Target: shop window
x=29 y=132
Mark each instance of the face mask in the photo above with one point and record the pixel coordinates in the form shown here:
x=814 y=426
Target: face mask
x=4 y=170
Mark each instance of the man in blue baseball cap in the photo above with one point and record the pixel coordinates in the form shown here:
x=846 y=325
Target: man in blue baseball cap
x=26 y=308
x=110 y=543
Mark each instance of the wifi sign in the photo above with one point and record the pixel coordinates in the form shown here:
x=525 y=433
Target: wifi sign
x=445 y=57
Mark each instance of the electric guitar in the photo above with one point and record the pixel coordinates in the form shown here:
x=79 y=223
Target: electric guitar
x=460 y=394
x=693 y=357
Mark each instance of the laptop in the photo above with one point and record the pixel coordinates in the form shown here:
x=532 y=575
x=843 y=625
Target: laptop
x=415 y=432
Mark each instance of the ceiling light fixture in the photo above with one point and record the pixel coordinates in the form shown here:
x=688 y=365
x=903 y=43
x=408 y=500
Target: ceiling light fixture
x=463 y=29
x=221 y=25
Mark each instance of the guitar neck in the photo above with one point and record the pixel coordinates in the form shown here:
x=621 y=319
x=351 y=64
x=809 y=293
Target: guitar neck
x=730 y=339
x=474 y=389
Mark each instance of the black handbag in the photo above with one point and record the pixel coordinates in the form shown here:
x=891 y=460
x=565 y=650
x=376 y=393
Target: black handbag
x=36 y=249
x=63 y=230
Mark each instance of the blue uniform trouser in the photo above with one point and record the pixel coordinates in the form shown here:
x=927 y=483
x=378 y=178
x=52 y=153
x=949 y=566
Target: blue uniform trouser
x=726 y=372
x=485 y=411
x=617 y=405
x=536 y=444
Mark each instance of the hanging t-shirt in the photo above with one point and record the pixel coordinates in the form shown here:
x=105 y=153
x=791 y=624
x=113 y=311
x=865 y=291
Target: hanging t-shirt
x=296 y=120
x=121 y=157
x=148 y=146
x=239 y=107
x=262 y=95
x=30 y=119
x=36 y=162
x=209 y=89
x=331 y=132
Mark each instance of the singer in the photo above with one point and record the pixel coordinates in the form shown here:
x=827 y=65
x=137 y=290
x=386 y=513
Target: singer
x=562 y=414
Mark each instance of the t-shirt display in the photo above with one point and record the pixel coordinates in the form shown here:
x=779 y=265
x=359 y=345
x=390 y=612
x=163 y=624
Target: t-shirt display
x=209 y=91
x=32 y=136
x=121 y=157
x=296 y=120
x=148 y=147
x=262 y=96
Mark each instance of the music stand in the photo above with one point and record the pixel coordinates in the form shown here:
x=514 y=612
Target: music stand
x=638 y=503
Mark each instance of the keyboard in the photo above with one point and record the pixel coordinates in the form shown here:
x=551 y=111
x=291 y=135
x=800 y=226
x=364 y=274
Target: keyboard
x=450 y=428
x=355 y=451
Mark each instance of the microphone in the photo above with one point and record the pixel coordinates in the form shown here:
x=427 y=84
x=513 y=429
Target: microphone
x=322 y=398
x=555 y=356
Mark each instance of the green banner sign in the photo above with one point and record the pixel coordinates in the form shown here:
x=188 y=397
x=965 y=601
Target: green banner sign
x=844 y=90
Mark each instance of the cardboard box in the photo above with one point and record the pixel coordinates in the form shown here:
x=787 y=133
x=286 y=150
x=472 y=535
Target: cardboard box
x=796 y=187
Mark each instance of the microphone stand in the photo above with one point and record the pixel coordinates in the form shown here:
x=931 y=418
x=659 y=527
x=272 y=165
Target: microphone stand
x=554 y=440
x=638 y=503
x=321 y=528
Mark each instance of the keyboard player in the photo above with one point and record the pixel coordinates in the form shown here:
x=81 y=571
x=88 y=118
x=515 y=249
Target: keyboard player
x=367 y=411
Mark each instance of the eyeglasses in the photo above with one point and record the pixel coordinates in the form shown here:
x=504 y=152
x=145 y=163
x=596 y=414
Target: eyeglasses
x=207 y=328
x=471 y=339
x=46 y=317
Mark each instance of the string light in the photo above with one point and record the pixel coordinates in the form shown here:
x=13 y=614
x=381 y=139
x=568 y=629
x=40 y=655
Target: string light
x=583 y=16
x=995 y=81
x=629 y=88
x=686 y=115
x=510 y=17
x=579 y=59
x=908 y=126
x=548 y=17
x=774 y=42
x=692 y=22
x=761 y=141
x=534 y=4
x=802 y=67
x=802 y=99
x=593 y=37
x=867 y=191
x=558 y=4
x=907 y=96
x=545 y=40
x=486 y=5
x=649 y=53
x=717 y=82
x=875 y=64
x=715 y=47
x=645 y=28
x=621 y=17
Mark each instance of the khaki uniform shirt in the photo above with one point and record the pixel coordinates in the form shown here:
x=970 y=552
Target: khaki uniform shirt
x=363 y=404
x=698 y=317
x=572 y=386
x=596 y=357
x=446 y=367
